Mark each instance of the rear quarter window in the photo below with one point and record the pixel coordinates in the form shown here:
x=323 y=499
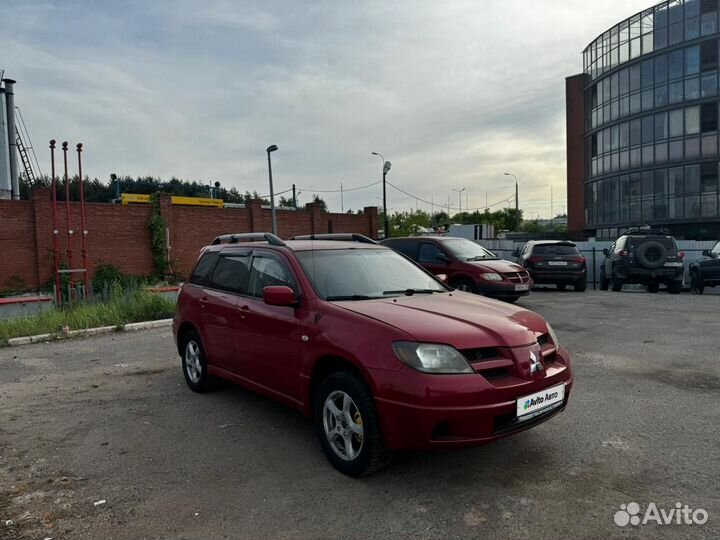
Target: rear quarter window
x=203 y=268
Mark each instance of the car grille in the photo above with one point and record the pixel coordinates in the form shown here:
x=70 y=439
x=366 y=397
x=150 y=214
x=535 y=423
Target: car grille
x=517 y=277
x=490 y=362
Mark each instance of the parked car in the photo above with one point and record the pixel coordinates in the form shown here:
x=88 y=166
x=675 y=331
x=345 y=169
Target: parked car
x=468 y=266
x=646 y=256
x=705 y=272
x=380 y=353
x=554 y=262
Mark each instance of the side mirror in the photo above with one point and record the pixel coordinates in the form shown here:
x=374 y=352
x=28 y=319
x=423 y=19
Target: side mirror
x=706 y=253
x=605 y=251
x=443 y=258
x=443 y=278
x=279 y=295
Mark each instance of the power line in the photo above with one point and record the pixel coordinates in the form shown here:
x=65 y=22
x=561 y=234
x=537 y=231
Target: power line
x=343 y=190
x=449 y=207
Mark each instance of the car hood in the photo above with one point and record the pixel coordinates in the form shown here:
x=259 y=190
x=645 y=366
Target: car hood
x=498 y=265
x=462 y=320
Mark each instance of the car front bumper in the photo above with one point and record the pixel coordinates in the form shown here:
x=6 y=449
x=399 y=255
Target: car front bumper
x=434 y=411
x=502 y=289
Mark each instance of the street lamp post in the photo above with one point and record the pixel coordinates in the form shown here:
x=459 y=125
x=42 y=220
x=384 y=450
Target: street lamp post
x=459 y=192
x=386 y=168
x=517 y=201
x=272 y=148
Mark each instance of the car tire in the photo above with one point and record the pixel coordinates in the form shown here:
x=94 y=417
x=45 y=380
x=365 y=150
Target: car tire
x=465 y=285
x=674 y=286
x=335 y=430
x=561 y=286
x=510 y=299
x=617 y=283
x=194 y=363
x=696 y=284
x=581 y=286
x=653 y=287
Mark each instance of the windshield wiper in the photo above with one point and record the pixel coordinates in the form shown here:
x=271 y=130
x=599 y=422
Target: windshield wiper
x=351 y=297
x=482 y=258
x=410 y=292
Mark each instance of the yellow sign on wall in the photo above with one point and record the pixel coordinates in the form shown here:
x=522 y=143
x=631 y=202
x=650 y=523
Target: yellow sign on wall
x=136 y=198
x=198 y=201
x=128 y=198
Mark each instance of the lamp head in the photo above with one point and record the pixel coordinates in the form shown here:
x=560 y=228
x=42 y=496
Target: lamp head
x=386 y=167
x=271 y=148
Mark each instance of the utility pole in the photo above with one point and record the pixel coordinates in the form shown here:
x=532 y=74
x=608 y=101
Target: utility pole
x=342 y=204
x=272 y=148
x=386 y=168
x=294 y=197
x=551 y=203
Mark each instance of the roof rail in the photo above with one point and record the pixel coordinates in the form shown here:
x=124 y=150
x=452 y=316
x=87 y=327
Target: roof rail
x=248 y=237
x=346 y=237
x=646 y=230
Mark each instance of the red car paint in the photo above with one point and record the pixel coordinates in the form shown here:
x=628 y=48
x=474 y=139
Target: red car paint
x=274 y=350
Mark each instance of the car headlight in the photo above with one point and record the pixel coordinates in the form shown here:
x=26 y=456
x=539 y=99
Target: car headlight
x=431 y=358
x=553 y=335
x=491 y=276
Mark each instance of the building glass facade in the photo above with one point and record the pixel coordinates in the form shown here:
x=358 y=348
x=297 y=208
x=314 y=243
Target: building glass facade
x=651 y=121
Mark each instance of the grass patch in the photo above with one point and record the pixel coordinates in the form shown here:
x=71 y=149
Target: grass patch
x=123 y=307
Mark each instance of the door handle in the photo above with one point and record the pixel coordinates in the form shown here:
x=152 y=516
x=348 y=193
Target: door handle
x=243 y=311
x=203 y=301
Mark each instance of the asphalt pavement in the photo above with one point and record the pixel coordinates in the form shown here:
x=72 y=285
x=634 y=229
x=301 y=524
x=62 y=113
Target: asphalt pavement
x=100 y=438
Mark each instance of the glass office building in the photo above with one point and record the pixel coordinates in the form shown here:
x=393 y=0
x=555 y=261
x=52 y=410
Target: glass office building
x=650 y=123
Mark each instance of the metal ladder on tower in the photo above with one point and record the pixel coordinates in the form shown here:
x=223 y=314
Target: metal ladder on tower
x=24 y=156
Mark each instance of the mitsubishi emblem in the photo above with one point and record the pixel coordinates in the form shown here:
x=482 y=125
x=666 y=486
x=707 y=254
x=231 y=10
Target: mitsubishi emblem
x=535 y=364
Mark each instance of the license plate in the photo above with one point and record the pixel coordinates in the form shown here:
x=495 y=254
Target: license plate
x=523 y=287
x=557 y=263
x=674 y=263
x=534 y=404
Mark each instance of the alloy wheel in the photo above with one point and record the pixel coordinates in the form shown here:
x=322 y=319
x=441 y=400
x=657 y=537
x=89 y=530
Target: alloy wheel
x=343 y=425
x=193 y=366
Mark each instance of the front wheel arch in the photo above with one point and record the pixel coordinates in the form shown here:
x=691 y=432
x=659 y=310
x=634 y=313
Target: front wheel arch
x=325 y=366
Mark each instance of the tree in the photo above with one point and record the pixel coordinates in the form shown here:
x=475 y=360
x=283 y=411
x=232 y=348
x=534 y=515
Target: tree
x=286 y=202
x=317 y=199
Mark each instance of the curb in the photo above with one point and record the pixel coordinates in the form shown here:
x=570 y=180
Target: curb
x=27 y=340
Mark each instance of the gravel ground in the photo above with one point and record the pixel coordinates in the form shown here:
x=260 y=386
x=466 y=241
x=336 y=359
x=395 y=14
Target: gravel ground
x=110 y=419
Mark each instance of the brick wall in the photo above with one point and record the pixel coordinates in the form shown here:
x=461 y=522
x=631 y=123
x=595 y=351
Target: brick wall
x=119 y=235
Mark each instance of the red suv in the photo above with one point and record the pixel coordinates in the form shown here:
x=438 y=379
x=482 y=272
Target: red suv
x=468 y=266
x=379 y=352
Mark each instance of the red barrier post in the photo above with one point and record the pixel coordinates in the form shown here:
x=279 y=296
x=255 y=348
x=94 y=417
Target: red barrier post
x=83 y=232
x=55 y=232
x=69 y=229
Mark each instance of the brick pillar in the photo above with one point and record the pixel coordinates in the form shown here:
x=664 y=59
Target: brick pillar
x=316 y=218
x=373 y=220
x=254 y=207
x=43 y=240
x=576 y=166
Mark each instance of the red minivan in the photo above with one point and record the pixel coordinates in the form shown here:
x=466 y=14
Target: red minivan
x=468 y=266
x=379 y=352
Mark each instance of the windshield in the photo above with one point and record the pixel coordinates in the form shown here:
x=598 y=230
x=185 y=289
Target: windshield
x=362 y=274
x=467 y=250
x=555 y=249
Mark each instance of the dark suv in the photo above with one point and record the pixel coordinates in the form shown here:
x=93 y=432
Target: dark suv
x=380 y=353
x=705 y=272
x=646 y=256
x=468 y=266
x=555 y=262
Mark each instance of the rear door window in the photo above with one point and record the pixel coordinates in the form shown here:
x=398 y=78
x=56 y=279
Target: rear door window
x=232 y=272
x=409 y=248
x=204 y=268
x=428 y=253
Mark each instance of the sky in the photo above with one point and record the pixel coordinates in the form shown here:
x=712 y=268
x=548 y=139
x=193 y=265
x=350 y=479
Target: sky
x=453 y=93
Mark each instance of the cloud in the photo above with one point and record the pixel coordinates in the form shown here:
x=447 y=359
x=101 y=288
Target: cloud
x=453 y=93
